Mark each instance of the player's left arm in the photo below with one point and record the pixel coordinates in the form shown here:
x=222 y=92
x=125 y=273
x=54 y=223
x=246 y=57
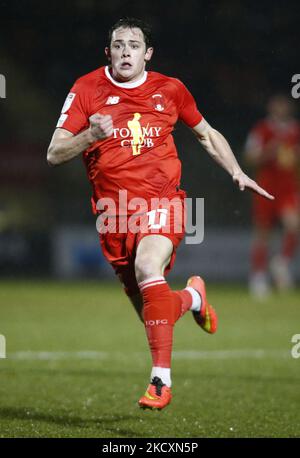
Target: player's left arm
x=218 y=148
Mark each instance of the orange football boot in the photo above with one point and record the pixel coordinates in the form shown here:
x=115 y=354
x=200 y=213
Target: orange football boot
x=206 y=317
x=157 y=396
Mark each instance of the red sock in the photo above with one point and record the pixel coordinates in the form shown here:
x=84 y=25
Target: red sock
x=182 y=302
x=289 y=245
x=159 y=318
x=259 y=256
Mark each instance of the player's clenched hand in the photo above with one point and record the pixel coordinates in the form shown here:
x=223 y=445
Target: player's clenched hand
x=243 y=181
x=101 y=126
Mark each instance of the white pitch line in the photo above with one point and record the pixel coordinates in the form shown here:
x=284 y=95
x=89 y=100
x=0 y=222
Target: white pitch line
x=57 y=355
x=232 y=354
x=178 y=355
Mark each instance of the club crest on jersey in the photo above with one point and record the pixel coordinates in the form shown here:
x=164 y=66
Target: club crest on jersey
x=112 y=100
x=158 y=102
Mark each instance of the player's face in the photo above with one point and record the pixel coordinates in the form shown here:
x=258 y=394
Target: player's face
x=128 y=54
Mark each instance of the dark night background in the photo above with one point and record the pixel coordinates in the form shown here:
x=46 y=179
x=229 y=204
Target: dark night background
x=232 y=55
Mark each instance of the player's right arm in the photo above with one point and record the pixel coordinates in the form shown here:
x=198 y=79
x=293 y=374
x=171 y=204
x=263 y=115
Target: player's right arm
x=64 y=145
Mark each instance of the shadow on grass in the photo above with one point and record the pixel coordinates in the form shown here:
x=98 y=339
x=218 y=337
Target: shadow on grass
x=108 y=423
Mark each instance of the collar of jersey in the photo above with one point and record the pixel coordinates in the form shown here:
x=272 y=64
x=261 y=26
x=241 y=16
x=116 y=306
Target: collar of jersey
x=126 y=85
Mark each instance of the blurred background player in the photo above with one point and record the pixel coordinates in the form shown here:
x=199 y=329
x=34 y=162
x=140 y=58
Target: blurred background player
x=273 y=148
x=94 y=120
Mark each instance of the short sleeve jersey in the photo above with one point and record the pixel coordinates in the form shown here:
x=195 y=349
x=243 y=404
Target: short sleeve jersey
x=140 y=157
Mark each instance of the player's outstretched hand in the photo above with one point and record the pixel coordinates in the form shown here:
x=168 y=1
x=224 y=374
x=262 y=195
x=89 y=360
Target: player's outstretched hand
x=101 y=126
x=243 y=181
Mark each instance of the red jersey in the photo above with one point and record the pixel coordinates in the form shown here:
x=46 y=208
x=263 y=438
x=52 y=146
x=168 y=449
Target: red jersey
x=140 y=156
x=280 y=171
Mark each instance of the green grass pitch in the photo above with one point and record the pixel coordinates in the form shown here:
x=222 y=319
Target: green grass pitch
x=77 y=362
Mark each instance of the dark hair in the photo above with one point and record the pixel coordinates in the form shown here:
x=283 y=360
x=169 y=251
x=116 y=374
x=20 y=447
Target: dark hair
x=131 y=22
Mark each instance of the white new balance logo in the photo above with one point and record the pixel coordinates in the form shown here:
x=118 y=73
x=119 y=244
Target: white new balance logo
x=112 y=100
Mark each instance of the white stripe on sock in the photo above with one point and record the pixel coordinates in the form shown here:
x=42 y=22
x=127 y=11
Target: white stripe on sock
x=151 y=282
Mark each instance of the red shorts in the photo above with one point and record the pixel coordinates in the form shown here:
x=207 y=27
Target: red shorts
x=119 y=246
x=267 y=212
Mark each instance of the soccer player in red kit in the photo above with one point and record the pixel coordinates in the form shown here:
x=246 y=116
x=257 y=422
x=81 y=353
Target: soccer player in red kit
x=121 y=118
x=273 y=148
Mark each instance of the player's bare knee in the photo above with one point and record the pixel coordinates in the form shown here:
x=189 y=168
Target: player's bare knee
x=145 y=268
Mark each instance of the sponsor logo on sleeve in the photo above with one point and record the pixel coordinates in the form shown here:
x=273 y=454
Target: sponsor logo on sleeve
x=68 y=102
x=61 y=120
